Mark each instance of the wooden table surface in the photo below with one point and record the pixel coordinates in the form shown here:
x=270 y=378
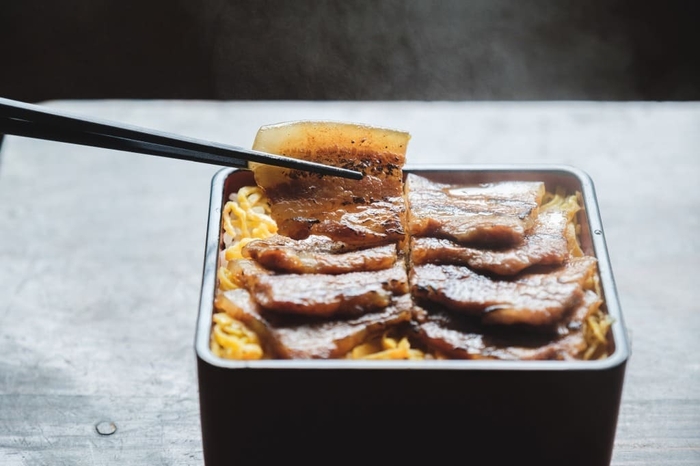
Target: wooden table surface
x=101 y=259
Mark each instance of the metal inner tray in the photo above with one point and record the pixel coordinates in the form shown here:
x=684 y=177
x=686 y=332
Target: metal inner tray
x=591 y=238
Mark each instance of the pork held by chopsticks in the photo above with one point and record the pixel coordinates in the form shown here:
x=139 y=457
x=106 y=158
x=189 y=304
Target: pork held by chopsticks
x=359 y=213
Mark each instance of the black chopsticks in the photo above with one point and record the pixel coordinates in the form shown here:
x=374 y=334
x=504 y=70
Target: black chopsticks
x=35 y=121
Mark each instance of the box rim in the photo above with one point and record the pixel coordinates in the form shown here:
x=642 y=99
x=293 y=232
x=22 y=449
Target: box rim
x=618 y=357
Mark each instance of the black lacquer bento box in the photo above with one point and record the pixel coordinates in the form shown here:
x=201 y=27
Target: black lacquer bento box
x=475 y=412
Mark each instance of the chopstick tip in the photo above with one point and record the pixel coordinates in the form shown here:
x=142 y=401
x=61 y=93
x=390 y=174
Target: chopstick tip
x=355 y=175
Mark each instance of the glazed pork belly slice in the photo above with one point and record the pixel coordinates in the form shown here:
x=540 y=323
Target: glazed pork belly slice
x=492 y=213
x=331 y=209
x=321 y=295
x=457 y=336
x=318 y=254
x=294 y=337
x=534 y=299
x=546 y=244
x=365 y=212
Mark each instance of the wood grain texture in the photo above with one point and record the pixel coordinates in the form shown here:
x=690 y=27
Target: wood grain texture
x=101 y=259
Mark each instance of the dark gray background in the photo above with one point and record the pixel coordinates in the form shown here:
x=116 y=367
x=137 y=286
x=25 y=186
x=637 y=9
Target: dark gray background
x=357 y=49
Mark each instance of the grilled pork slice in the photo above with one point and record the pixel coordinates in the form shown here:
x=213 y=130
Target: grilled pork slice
x=492 y=213
x=363 y=212
x=536 y=299
x=458 y=336
x=318 y=254
x=546 y=244
x=321 y=295
x=305 y=338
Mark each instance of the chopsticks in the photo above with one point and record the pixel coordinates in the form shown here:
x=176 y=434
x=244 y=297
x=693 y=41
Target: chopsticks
x=35 y=121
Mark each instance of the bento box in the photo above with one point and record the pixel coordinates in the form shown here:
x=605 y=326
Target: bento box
x=338 y=411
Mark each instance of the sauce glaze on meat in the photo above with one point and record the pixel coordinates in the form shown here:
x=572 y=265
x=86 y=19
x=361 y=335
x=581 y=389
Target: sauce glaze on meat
x=491 y=213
